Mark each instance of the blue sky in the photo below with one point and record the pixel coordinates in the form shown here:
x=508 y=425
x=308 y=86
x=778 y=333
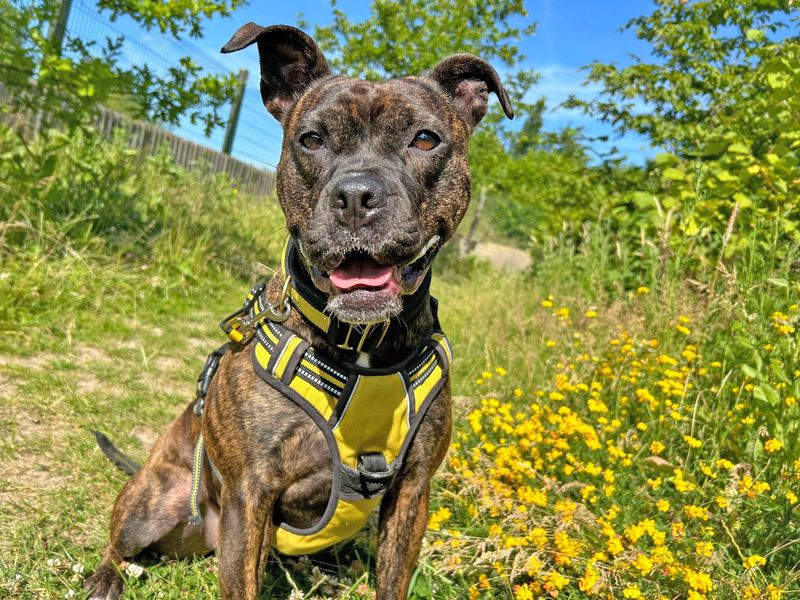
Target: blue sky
x=570 y=35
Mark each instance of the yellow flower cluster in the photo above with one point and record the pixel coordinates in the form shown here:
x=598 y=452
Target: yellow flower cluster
x=641 y=469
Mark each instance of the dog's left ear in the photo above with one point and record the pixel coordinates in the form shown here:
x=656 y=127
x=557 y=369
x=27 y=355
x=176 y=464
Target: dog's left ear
x=468 y=80
x=290 y=61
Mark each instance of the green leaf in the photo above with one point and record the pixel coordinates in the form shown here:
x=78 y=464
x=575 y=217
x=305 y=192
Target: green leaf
x=755 y=35
x=743 y=200
x=643 y=199
x=778 y=282
x=674 y=174
x=778 y=81
x=724 y=175
x=767 y=394
x=780 y=372
x=749 y=372
x=738 y=148
x=664 y=159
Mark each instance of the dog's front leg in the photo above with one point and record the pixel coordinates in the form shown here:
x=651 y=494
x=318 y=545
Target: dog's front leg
x=245 y=535
x=403 y=519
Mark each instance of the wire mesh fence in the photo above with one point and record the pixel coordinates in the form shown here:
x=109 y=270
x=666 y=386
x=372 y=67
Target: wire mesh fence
x=257 y=139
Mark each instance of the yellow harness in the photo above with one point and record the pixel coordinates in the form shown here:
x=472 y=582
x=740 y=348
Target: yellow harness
x=368 y=416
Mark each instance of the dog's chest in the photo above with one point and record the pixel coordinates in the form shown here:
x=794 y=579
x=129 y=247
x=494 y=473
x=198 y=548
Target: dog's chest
x=352 y=440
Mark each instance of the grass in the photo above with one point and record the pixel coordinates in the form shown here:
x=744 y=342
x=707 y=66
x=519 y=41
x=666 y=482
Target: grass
x=568 y=382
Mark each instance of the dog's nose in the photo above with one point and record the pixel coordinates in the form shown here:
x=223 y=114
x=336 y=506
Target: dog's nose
x=356 y=198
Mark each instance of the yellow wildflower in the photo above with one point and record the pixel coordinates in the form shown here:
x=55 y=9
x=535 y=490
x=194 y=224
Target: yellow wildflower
x=696 y=512
x=439 y=517
x=643 y=563
x=771 y=446
x=523 y=592
x=589 y=580
x=632 y=591
x=704 y=548
x=554 y=581
x=534 y=566
x=698 y=581
x=692 y=442
x=753 y=561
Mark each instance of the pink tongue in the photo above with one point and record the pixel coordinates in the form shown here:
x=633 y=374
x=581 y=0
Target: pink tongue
x=356 y=271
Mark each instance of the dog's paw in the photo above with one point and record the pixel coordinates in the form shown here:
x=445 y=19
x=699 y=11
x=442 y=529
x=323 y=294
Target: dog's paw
x=105 y=584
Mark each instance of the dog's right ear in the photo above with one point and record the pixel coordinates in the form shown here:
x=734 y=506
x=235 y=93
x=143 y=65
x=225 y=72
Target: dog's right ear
x=290 y=61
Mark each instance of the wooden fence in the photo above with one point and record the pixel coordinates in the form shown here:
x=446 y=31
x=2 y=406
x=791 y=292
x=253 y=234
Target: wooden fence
x=148 y=138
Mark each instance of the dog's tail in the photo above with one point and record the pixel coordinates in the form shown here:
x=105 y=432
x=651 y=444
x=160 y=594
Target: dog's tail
x=122 y=461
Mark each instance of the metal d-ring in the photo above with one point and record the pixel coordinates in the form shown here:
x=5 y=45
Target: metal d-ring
x=279 y=317
x=272 y=313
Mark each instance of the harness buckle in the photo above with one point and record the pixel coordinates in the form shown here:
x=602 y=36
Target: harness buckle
x=205 y=377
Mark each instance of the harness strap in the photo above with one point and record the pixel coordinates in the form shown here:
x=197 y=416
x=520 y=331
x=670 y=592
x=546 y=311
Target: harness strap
x=195 y=518
x=198 y=456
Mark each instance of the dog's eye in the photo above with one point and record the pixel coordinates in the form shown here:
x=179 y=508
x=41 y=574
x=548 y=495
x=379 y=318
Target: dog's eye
x=426 y=140
x=312 y=141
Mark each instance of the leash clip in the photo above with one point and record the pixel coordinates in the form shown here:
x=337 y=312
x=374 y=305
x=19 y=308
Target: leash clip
x=240 y=327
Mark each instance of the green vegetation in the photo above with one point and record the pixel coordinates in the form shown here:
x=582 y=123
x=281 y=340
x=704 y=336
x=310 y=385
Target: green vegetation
x=627 y=420
x=721 y=101
x=67 y=79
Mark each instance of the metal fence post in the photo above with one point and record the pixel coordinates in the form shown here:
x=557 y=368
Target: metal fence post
x=236 y=108
x=56 y=34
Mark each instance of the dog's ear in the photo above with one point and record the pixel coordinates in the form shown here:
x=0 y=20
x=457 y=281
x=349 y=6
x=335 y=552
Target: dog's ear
x=468 y=80
x=290 y=62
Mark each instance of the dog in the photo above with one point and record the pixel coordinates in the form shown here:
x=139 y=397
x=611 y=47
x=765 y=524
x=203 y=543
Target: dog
x=332 y=398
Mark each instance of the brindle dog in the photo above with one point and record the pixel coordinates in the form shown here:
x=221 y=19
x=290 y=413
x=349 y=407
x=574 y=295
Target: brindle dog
x=372 y=176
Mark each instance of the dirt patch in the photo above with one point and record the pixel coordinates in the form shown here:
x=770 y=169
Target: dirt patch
x=89 y=384
x=30 y=477
x=146 y=436
x=204 y=345
x=168 y=386
x=167 y=364
x=87 y=354
x=130 y=344
x=7 y=389
x=21 y=424
x=502 y=258
x=35 y=362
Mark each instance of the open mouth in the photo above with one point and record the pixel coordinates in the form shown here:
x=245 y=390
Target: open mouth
x=361 y=271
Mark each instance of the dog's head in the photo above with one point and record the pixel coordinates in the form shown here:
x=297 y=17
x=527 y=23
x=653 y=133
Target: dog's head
x=373 y=176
